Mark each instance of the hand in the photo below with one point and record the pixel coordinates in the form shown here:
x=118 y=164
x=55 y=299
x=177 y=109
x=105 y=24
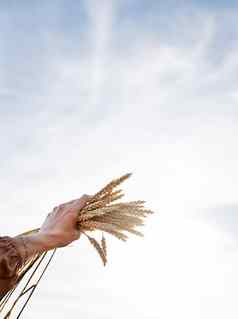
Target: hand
x=59 y=229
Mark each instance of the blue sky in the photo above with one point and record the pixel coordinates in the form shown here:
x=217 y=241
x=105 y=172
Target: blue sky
x=90 y=90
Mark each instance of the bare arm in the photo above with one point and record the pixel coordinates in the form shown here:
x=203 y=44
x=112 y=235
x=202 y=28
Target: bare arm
x=58 y=230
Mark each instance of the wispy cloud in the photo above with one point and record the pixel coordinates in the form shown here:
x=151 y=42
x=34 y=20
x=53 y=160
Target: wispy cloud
x=90 y=90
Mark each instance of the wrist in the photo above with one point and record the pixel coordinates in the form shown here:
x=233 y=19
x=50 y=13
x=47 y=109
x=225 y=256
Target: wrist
x=33 y=244
x=50 y=240
x=44 y=241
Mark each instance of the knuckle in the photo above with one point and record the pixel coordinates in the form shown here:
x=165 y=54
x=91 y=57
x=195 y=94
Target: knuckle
x=84 y=197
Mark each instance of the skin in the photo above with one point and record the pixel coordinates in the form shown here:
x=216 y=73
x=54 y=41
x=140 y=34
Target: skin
x=58 y=230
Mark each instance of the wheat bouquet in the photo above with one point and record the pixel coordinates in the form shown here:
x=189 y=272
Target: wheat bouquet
x=99 y=213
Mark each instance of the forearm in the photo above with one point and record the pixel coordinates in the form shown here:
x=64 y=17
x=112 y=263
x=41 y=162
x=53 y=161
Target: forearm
x=58 y=230
x=30 y=245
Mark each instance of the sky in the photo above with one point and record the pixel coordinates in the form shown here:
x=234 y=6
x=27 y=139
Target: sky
x=90 y=90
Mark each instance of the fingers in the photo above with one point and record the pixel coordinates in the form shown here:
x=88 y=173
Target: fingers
x=72 y=205
x=82 y=199
x=71 y=201
x=79 y=204
x=56 y=210
x=77 y=234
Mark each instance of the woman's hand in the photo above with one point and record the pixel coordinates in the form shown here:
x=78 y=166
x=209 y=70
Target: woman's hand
x=58 y=230
x=60 y=227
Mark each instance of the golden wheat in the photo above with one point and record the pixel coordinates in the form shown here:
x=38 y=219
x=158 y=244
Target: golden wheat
x=115 y=219
x=98 y=214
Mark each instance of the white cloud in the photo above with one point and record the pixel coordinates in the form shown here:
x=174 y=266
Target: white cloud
x=159 y=110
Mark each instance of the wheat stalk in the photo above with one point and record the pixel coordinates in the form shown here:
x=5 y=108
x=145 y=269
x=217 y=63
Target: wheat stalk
x=98 y=214
x=115 y=219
